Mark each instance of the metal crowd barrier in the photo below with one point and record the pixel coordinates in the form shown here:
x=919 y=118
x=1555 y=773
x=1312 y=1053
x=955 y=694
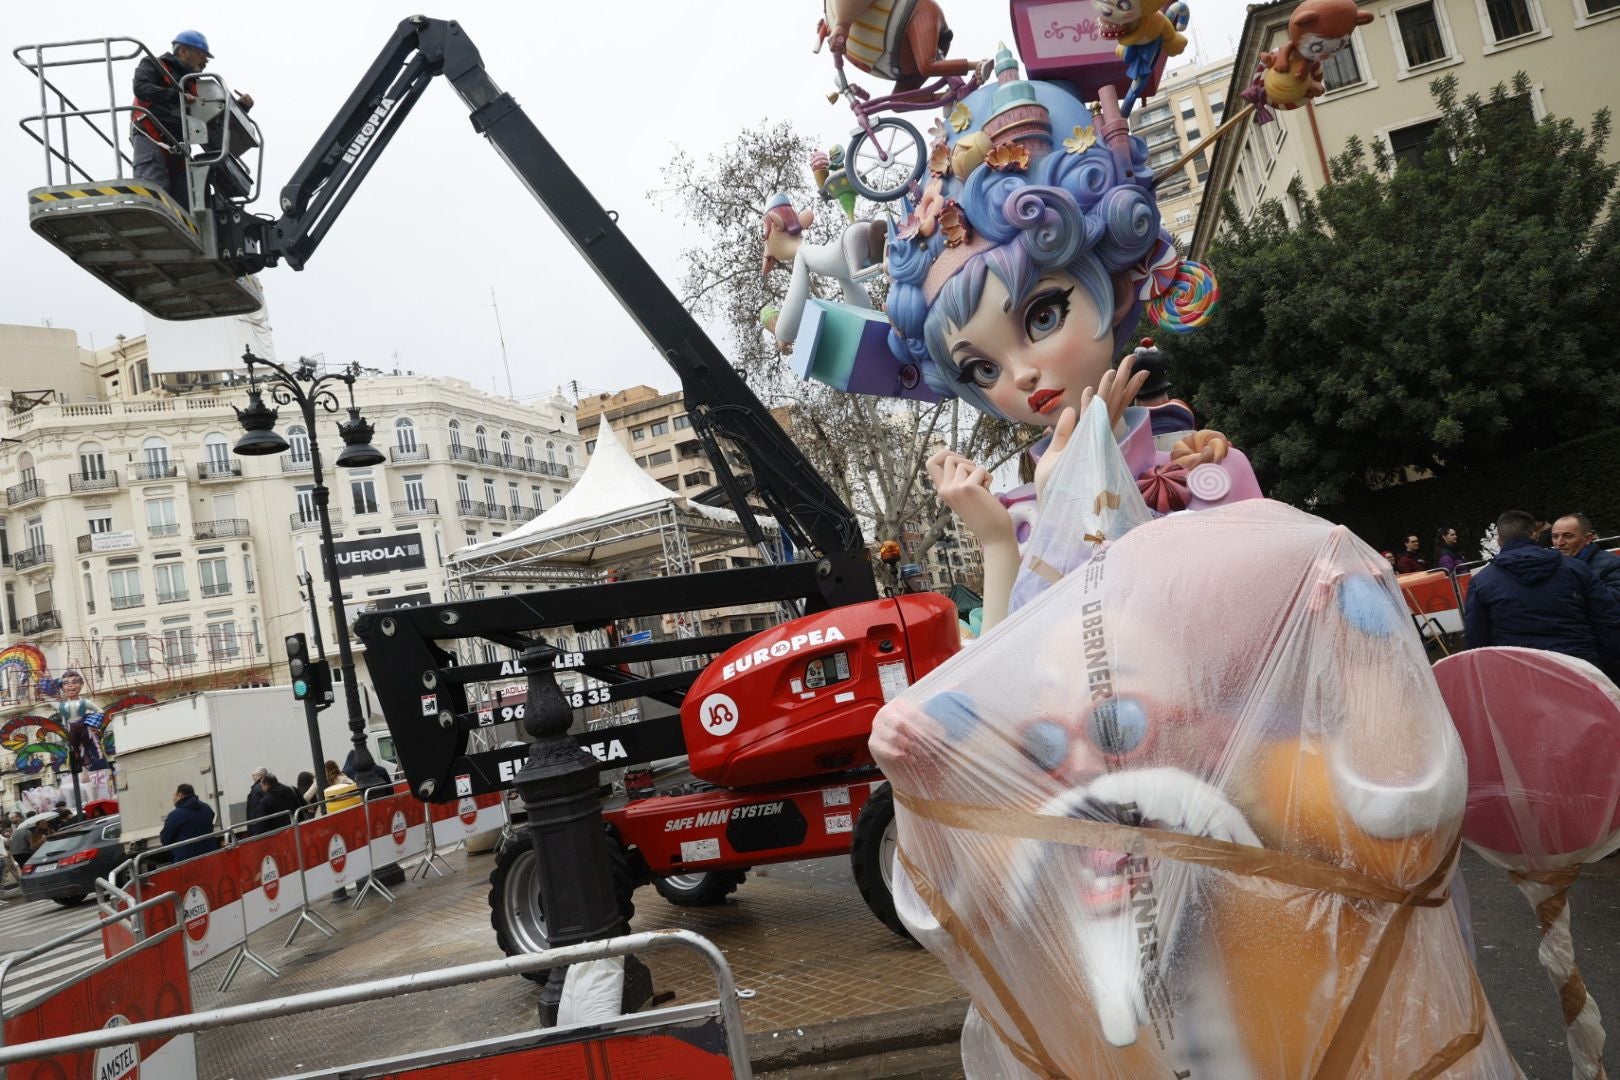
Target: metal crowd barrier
x=15 y=959
x=724 y=1008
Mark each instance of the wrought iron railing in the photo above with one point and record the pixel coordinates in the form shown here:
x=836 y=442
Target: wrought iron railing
x=220 y=528
x=28 y=558
x=105 y=480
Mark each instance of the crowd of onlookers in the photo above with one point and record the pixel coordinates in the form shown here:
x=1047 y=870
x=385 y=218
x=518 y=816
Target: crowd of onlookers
x=21 y=836
x=1550 y=586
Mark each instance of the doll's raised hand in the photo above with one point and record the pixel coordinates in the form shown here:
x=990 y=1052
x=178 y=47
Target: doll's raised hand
x=1118 y=388
x=965 y=488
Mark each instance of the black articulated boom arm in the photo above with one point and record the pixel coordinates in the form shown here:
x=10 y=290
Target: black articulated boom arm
x=716 y=396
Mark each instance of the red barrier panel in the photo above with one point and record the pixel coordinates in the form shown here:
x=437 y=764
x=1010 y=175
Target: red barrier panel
x=614 y=1057
x=454 y=822
x=398 y=826
x=210 y=902
x=146 y=983
x=336 y=850
x=269 y=879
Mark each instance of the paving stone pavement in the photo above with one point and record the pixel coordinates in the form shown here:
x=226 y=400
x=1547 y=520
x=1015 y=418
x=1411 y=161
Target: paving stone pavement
x=811 y=953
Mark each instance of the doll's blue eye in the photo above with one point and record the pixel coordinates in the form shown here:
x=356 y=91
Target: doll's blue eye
x=955 y=712
x=1119 y=726
x=1368 y=607
x=1046 y=742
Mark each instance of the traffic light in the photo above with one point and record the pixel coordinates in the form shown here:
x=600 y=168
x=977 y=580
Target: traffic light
x=298 y=666
x=320 y=678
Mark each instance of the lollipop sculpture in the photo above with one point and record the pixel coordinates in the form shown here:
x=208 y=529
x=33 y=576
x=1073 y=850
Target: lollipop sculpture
x=1541 y=731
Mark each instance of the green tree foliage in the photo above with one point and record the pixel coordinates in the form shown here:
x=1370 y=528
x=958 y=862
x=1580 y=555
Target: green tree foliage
x=1427 y=315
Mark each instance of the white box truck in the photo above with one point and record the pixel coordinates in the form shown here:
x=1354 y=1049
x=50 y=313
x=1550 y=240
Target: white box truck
x=213 y=741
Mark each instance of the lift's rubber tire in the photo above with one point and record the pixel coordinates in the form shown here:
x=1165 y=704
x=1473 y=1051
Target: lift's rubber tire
x=704 y=889
x=871 y=857
x=514 y=898
x=71 y=901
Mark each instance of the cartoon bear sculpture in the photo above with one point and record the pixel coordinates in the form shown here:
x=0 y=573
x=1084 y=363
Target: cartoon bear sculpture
x=1194 y=811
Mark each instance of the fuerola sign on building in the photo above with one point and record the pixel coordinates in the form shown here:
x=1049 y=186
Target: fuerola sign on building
x=379 y=554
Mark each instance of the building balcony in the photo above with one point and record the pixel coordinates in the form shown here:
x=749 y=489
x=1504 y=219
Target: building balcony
x=419 y=452
x=1167 y=137
x=25 y=492
x=163 y=529
x=472 y=508
x=497 y=512
x=463 y=453
x=524 y=513
x=413 y=508
x=219 y=470
x=96 y=481
x=549 y=468
x=220 y=529
x=174 y=597
x=216 y=588
x=33 y=558
x=301 y=520
x=163 y=469
x=290 y=464
x=129 y=600
x=45 y=622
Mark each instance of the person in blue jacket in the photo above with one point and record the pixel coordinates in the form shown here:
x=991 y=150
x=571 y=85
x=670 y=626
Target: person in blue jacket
x=1574 y=536
x=191 y=818
x=1539 y=598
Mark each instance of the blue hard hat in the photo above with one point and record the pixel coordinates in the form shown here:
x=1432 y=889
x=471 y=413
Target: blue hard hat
x=195 y=40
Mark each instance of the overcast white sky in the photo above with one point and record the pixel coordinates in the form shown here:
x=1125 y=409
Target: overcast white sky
x=407 y=272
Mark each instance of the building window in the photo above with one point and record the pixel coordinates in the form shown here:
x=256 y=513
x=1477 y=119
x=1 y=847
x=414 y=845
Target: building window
x=701 y=478
x=590 y=447
x=1408 y=144
x=479 y=439
x=247 y=571
x=1184 y=217
x=222 y=644
x=1193 y=133
x=297 y=444
x=92 y=462
x=217 y=454
x=489 y=492
x=1187 y=109
x=638 y=434
x=1160 y=158
x=1343 y=68
x=124 y=588
x=1586 y=10
x=1508 y=19
x=155 y=455
x=215 y=576
x=171 y=582
x=1422 y=37
x=178 y=648
x=102 y=524
x=683 y=421
x=659 y=427
x=513 y=498
x=506 y=445
x=463 y=489
x=160 y=518
x=134 y=652
x=568 y=452
x=556 y=494
x=551 y=452
x=1217 y=105
x=364 y=491
x=304 y=496
x=534 y=494
x=661 y=457
x=405 y=434
x=455 y=434
x=415 y=493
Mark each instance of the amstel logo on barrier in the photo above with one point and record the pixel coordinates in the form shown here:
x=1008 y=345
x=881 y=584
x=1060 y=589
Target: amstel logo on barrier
x=397 y=828
x=337 y=853
x=467 y=810
x=195 y=909
x=120 y=1062
x=270 y=880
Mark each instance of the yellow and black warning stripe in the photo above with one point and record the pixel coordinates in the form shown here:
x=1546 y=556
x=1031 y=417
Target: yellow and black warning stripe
x=64 y=194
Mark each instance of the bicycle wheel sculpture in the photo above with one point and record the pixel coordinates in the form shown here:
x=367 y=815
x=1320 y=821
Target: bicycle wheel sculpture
x=884 y=163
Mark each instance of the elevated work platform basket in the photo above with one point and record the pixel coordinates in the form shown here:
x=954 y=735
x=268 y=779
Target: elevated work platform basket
x=136 y=239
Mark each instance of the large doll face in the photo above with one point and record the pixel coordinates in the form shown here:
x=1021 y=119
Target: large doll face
x=1034 y=358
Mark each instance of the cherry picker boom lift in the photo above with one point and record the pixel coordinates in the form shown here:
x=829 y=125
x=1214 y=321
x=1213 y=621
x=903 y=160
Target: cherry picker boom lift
x=774 y=726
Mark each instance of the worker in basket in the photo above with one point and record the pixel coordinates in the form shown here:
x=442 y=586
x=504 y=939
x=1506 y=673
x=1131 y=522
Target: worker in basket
x=156 y=130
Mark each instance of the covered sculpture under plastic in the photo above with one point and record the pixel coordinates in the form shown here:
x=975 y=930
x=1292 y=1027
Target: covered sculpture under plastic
x=1194 y=811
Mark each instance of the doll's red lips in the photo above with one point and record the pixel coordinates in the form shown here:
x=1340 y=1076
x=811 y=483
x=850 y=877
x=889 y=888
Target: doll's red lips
x=1042 y=400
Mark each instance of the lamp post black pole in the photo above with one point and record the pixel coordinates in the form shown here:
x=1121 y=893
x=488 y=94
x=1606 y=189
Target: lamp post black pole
x=310 y=393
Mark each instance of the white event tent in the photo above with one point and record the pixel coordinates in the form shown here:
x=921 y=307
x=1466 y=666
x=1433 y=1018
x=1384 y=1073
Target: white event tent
x=616 y=518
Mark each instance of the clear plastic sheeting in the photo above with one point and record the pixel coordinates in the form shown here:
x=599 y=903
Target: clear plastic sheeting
x=1542 y=733
x=1194 y=811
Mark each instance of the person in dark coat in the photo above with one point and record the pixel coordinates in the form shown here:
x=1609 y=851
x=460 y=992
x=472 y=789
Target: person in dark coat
x=1409 y=561
x=1446 y=555
x=190 y=819
x=155 y=130
x=1539 y=598
x=1573 y=535
x=254 y=794
x=277 y=803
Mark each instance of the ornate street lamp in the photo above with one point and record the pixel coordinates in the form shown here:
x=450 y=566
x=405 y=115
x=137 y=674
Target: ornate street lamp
x=311 y=392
